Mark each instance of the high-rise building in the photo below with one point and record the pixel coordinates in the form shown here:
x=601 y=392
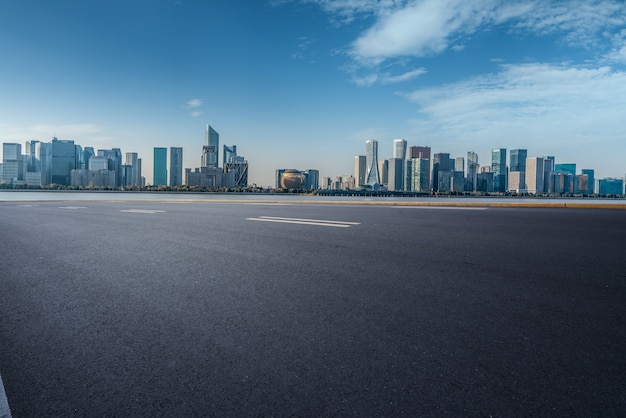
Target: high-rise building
x=63 y=161
x=611 y=186
x=12 y=162
x=160 y=167
x=416 y=175
x=395 y=174
x=360 y=170
x=133 y=170
x=441 y=164
x=229 y=153
x=459 y=164
x=419 y=152
x=399 y=148
x=498 y=168
x=383 y=170
x=534 y=175
x=591 y=180
x=566 y=168
x=210 y=151
x=115 y=162
x=311 y=179
x=518 y=160
x=517 y=181
x=548 y=168
x=176 y=166
x=239 y=167
x=372 y=178
x=472 y=169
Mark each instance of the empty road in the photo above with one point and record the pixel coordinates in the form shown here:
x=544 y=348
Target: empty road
x=234 y=309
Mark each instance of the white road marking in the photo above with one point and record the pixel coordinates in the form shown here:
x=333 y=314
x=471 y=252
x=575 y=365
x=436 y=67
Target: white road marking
x=5 y=412
x=26 y=206
x=142 y=211
x=72 y=207
x=301 y=221
x=440 y=207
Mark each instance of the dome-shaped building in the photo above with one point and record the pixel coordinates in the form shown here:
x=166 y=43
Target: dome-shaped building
x=292 y=179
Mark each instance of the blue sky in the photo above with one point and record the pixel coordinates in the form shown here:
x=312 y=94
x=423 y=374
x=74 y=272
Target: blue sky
x=304 y=83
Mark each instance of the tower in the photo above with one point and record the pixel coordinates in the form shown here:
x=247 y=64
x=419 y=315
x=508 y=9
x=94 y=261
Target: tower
x=160 y=167
x=210 y=150
x=176 y=166
x=372 y=177
x=399 y=148
x=498 y=168
x=360 y=170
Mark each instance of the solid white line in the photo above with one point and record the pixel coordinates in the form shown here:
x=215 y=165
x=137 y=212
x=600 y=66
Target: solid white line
x=72 y=207
x=299 y=222
x=311 y=220
x=439 y=207
x=141 y=211
x=5 y=412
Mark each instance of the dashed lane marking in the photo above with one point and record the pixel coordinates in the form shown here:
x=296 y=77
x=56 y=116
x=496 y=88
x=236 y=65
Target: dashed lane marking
x=72 y=207
x=301 y=221
x=142 y=211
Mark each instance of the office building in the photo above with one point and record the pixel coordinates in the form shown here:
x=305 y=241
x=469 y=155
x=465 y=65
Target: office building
x=610 y=186
x=238 y=166
x=472 y=170
x=441 y=164
x=548 y=168
x=383 y=168
x=62 y=161
x=176 y=166
x=517 y=181
x=591 y=180
x=399 y=148
x=498 y=168
x=229 y=153
x=518 y=160
x=132 y=170
x=360 y=170
x=565 y=168
x=160 y=167
x=419 y=152
x=210 y=150
x=416 y=177
x=12 y=162
x=395 y=180
x=115 y=162
x=372 y=178
x=311 y=179
x=534 y=175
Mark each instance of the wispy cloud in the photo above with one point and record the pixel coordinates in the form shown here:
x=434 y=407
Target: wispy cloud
x=565 y=106
x=196 y=113
x=421 y=28
x=193 y=103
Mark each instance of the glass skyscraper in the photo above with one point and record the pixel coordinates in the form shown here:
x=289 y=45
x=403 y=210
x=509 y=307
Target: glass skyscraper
x=399 y=148
x=498 y=168
x=518 y=159
x=160 y=167
x=210 y=151
x=372 y=177
x=176 y=166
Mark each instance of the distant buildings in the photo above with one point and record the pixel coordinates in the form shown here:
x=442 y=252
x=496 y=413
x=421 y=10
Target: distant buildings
x=160 y=167
x=176 y=166
x=372 y=177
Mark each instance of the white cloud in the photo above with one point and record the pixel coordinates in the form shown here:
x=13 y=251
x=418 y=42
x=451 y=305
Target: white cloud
x=419 y=28
x=194 y=103
x=528 y=105
x=409 y=75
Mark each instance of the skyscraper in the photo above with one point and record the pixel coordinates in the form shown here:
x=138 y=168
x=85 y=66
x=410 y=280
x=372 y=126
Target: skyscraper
x=395 y=174
x=399 y=148
x=419 y=152
x=160 y=167
x=372 y=177
x=535 y=175
x=441 y=164
x=12 y=162
x=210 y=150
x=360 y=170
x=416 y=175
x=133 y=171
x=229 y=153
x=591 y=180
x=498 y=168
x=518 y=159
x=472 y=169
x=176 y=166
x=383 y=171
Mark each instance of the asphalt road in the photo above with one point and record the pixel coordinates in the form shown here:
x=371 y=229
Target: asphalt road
x=217 y=309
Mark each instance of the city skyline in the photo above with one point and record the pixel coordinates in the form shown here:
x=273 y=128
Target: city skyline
x=303 y=83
